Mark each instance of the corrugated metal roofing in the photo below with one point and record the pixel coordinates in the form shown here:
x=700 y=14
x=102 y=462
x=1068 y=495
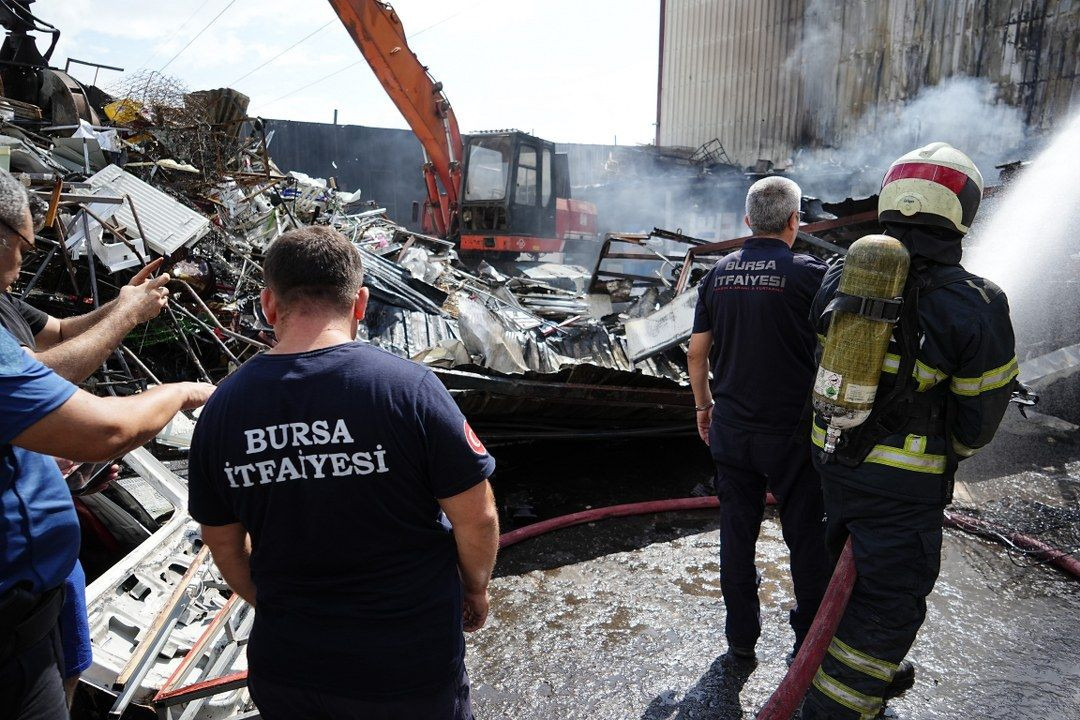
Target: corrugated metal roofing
x=768 y=76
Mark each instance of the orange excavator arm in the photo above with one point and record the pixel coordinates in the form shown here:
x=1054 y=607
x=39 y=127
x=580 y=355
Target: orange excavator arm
x=378 y=32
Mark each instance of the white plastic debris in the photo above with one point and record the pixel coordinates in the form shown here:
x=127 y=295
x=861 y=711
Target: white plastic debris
x=169 y=225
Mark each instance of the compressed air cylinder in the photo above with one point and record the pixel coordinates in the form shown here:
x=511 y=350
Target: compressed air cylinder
x=876 y=266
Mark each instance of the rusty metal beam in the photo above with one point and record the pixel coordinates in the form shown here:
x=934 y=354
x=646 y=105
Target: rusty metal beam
x=200 y=646
x=809 y=228
x=823 y=225
x=643 y=256
x=206 y=688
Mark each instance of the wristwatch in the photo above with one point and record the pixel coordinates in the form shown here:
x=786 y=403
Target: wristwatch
x=701 y=408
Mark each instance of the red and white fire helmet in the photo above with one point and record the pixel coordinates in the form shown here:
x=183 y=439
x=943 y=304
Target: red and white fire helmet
x=934 y=185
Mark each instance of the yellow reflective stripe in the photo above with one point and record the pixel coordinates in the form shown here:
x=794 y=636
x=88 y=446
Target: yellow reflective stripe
x=989 y=380
x=927 y=376
x=866 y=705
x=915 y=443
x=963 y=450
x=904 y=460
x=862 y=662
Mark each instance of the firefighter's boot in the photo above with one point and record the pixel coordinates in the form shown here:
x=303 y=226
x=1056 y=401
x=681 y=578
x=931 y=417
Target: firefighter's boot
x=902 y=680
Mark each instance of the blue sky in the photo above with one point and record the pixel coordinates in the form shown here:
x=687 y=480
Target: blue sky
x=568 y=71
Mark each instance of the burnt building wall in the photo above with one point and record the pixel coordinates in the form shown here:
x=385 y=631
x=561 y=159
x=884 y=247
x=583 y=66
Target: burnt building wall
x=769 y=76
x=633 y=187
x=383 y=163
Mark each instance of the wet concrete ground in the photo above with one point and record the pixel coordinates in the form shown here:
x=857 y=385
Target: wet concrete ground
x=624 y=618
x=638 y=633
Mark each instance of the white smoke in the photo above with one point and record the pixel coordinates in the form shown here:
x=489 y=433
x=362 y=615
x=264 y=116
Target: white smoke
x=815 y=60
x=965 y=112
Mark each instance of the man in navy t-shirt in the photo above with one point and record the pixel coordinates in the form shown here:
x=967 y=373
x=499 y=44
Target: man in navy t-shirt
x=364 y=492
x=752 y=328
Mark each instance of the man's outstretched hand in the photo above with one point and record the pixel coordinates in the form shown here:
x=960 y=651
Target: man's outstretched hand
x=144 y=296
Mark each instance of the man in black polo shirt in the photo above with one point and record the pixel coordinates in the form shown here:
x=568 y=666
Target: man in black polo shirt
x=752 y=328
x=343 y=494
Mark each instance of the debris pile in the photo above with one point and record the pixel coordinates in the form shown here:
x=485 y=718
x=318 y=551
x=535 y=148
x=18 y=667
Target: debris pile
x=189 y=176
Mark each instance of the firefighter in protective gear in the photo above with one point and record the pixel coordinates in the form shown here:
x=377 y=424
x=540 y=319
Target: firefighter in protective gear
x=946 y=382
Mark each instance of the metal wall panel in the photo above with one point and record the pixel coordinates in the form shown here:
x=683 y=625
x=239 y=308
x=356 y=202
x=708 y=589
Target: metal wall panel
x=723 y=75
x=383 y=163
x=769 y=76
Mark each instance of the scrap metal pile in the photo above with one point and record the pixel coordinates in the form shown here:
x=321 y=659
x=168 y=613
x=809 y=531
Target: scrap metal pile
x=189 y=176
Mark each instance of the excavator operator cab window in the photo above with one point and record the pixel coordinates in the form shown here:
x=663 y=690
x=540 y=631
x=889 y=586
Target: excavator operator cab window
x=510 y=186
x=489 y=165
x=525 y=185
x=545 y=178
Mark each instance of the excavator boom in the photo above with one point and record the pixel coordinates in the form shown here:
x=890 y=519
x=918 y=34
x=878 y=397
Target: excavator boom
x=380 y=36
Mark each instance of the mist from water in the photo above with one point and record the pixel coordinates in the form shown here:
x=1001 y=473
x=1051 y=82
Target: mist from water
x=1029 y=244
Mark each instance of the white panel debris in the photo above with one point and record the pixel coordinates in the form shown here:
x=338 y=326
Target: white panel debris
x=169 y=225
x=665 y=328
x=1045 y=369
x=112 y=252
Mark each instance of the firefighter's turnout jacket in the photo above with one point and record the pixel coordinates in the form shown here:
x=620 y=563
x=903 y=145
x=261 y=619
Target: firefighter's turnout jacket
x=963 y=377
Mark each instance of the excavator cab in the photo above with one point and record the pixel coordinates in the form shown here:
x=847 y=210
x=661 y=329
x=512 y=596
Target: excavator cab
x=508 y=199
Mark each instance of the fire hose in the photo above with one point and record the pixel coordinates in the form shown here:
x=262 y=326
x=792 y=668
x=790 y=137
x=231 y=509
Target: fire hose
x=787 y=697
x=585 y=516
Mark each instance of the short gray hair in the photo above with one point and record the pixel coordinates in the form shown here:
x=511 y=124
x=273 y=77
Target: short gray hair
x=14 y=202
x=770 y=202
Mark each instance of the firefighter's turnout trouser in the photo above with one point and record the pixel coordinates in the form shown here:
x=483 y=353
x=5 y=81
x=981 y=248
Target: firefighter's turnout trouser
x=897 y=551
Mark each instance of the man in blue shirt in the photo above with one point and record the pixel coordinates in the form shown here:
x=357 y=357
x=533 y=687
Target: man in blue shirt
x=343 y=494
x=752 y=327
x=43 y=416
x=74 y=348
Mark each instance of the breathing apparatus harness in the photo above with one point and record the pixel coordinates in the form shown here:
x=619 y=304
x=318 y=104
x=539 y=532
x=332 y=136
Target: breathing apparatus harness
x=901 y=409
